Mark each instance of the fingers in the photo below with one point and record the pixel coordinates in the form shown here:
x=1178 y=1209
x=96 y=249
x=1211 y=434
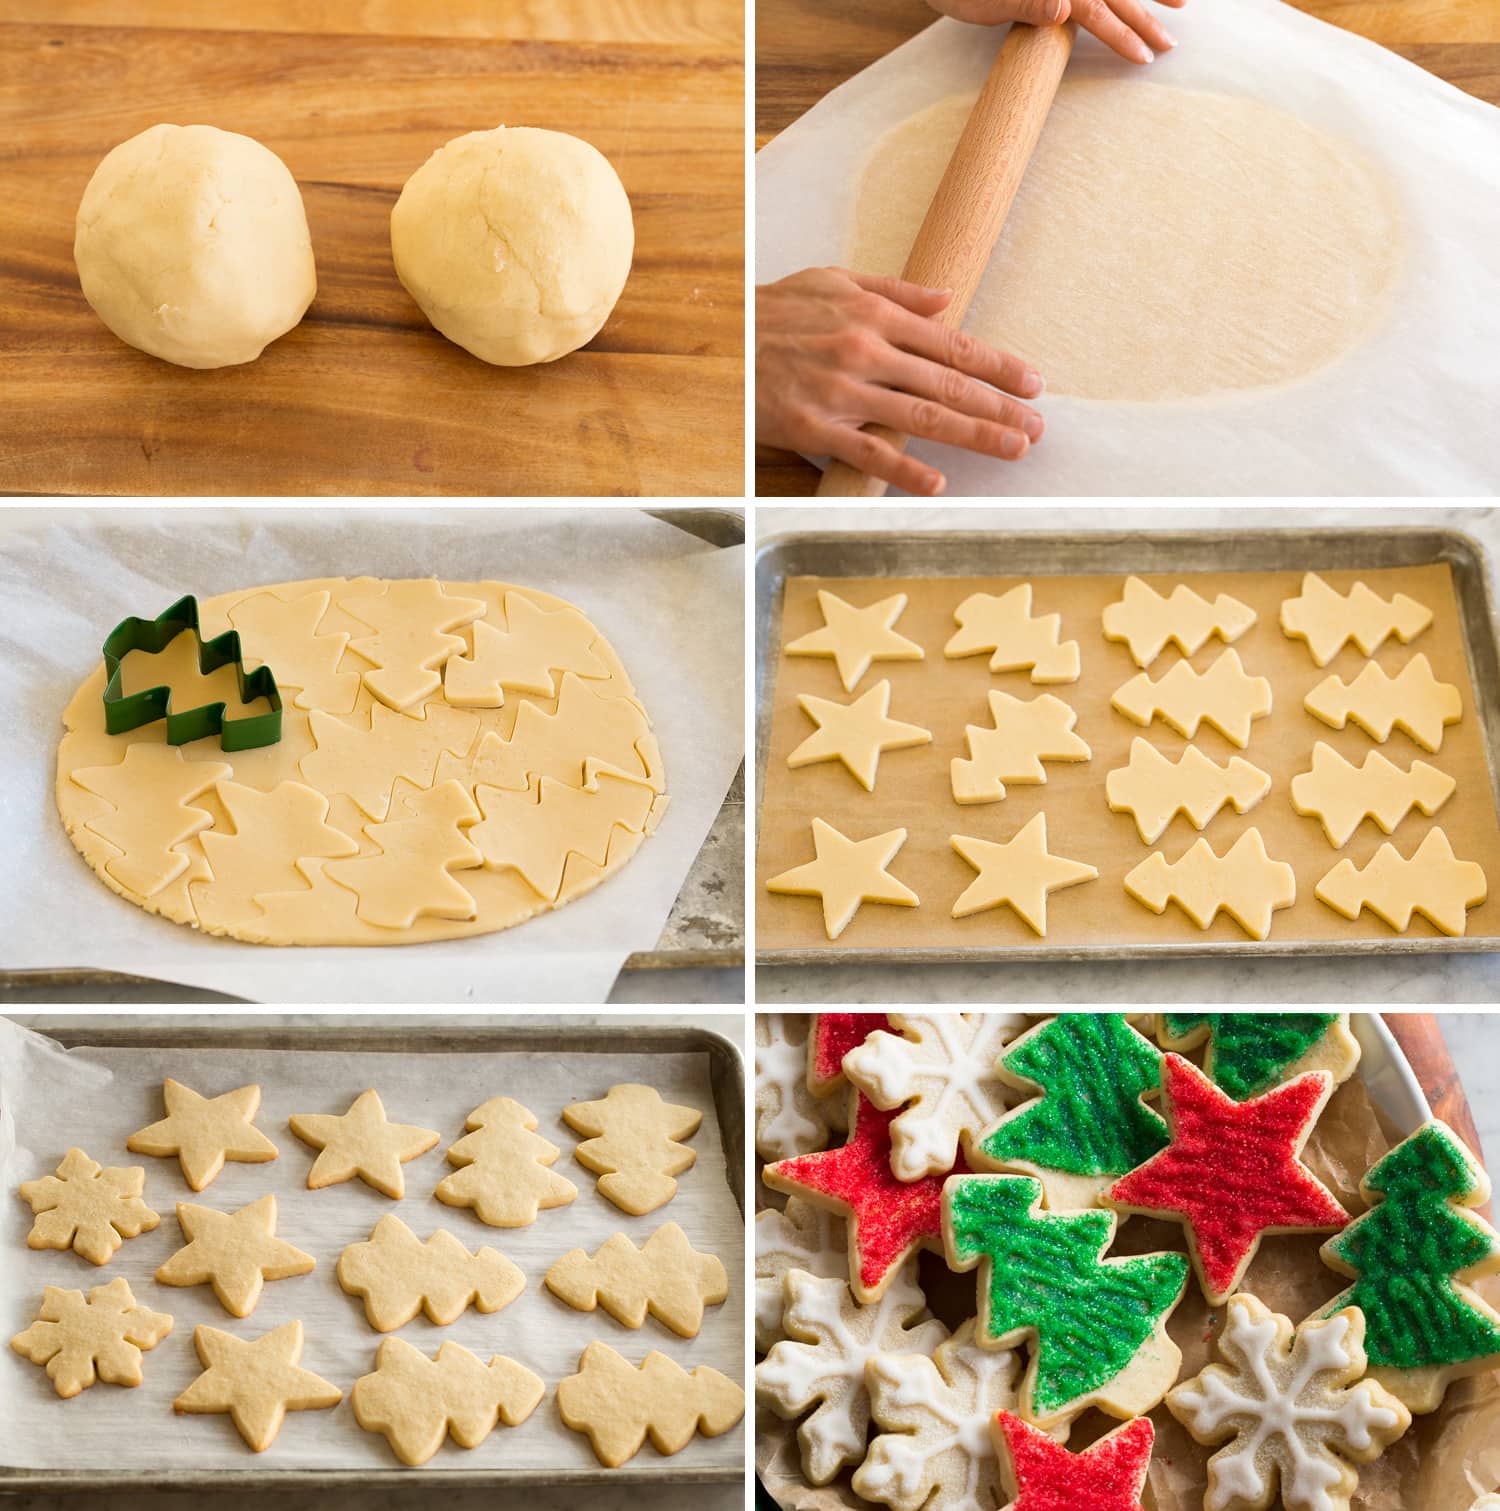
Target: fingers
x=1096 y=16
x=1140 y=20
x=876 y=457
x=910 y=296
x=950 y=388
x=958 y=349
x=933 y=422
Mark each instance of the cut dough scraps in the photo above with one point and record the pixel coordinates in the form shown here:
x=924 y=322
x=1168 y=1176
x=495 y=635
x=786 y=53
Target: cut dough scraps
x=534 y=644
x=1025 y=735
x=1343 y=795
x=1225 y=696
x=1432 y=882
x=1413 y=700
x=1244 y=882
x=1154 y=789
x=412 y=623
x=856 y=637
x=1005 y=626
x=855 y=733
x=845 y=874
x=1327 y=620
x=1018 y=873
x=1147 y=622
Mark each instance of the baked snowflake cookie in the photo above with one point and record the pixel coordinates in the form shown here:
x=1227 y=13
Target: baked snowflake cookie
x=790 y=1118
x=1249 y=1053
x=1295 y=1410
x=87 y=1208
x=804 y=1236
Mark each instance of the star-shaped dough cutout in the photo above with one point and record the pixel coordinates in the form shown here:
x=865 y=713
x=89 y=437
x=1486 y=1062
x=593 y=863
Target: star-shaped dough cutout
x=1042 y=1475
x=235 y=1252
x=889 y=1219
x=203 y=1132
x=1020 y=872
x=363 y=1143
x=1233 y=1171
x=855 y=733
x=856 y=637
x=846 y=873
x=257 y=1381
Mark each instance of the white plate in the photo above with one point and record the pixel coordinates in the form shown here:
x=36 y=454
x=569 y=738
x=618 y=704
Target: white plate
x=1393 y=1088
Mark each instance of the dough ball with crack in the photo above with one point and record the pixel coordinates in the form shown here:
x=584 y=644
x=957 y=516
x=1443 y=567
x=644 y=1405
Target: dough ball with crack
x=516 y=242
x=192 y=245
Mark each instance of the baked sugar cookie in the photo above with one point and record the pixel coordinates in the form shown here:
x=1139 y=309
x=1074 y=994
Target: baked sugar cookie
x=101 y=1336
x=805 y=1236
x=234 y=1252
x=362 y=1142
x=789 y=1118
x=87 y=1208
x=632 y=1143
x=1110 y=1475
x=503 y=1172
x=204 y=1132
x=1249 y=1053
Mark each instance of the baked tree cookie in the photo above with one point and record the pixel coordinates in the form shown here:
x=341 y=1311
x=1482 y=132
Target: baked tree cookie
x=1024 y=734
x=362 y=1142
x=666 y=1276
x=1153 y=790
x=1233 y=1171
x=1342 y=796
x=805 y=1236
x=397 y=1275
x=889 y=1219
x=101 y=1336
x=789 y=1117
x=204 y=1132
x=1249 y=1053
x=1294 y=1408
x=854 y=638
x=1097 y=1327
x=631 y=1144
x=619 y=1405
x=1410 y=1256
x=845 y=874
x=1020 y=642
x=1328 y=620
x=256 y=1381
x=1243 y=882
x=87 y=1208
x=1018 y=873
x=503 y=1172
x=234 y=1252
x=1110 y=1475
x=1225 y=696
x=1432 y=882
x=1148 y=622
x=415 y=1402
x=1089 y=1124
x=855 y=734
x=1413 y=701
x=820 y=1365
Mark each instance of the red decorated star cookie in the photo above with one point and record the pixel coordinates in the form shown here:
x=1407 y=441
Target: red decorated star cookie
x=833 y=1036
x=1233 y=1171
x=889 y=1219
x=1042 y=1475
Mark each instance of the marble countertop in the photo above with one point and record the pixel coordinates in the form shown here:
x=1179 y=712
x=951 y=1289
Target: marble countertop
x=1473 y=1040
x=1378 y=981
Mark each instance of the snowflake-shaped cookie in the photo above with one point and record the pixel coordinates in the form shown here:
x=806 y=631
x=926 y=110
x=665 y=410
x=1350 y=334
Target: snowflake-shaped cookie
x=944 y=1065
x=831 y=1338
x=803 y=1237
x=1292 y=1409
x=789 y=1119
x=86 y=1208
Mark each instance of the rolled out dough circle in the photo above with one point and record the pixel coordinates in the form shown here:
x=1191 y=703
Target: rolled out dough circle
x=1165 y=244
x=592 y=737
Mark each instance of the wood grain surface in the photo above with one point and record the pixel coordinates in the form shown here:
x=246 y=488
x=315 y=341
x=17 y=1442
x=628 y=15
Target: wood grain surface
x=805 y=48
x=364 y=397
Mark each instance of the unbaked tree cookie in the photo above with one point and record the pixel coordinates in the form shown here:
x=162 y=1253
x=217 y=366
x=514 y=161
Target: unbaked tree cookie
x=1154 y=789
x=234 y=1252
x=805 y=1236
x=412 y=626
x=1020 y=642
x=415 y=1402
x=1243 y=882
x=1225 y=696
x=1341 y=795
x=308 y=656
x=1249 y=1053
x=361 y=1142
x=1413 y=701
x=1109 y=1475
x=631 y=1143
x=789 y=1118
x=1432 y=882
x=1294 y=1408
x=526 y=656
x=855 y=734
x=845 y=874
x=854 y=637
x=1327 y=619
x=1018 y=873
x=101 y=1336
x=397 y=1275
x=1148 y=623
x=503 y=1169
x=204 y=1132
x=87 y=1208
x=1024 y=734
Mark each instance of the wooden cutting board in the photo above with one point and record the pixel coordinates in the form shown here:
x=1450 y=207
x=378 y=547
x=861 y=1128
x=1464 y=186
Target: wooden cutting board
x=364 y=396
x=805 y=48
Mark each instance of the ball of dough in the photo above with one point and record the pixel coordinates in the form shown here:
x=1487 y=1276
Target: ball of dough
x=516 y=242
x=192 y=245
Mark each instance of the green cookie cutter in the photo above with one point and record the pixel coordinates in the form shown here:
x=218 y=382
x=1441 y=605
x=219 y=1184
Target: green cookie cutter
x=123 y=713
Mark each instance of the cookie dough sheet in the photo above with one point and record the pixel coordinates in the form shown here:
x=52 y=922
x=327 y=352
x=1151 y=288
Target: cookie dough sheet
x=94 y=1098
x=913 y=789
x=670 y=604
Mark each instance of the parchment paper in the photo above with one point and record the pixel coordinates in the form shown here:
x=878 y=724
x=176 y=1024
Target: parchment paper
x=913 y=788
x=51 y=1098
x=670 y=604
x=1356 y=428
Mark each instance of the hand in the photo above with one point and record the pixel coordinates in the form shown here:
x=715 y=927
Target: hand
x=1126 y=26
x=836 y=350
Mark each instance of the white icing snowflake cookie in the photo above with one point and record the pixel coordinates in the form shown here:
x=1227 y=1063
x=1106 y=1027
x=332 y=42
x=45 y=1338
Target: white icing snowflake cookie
x=789 y=1119
x=1291 y=1408
x=803 y=1237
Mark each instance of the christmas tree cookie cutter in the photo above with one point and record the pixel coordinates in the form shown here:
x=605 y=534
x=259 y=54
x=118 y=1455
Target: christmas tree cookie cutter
x=126 y=711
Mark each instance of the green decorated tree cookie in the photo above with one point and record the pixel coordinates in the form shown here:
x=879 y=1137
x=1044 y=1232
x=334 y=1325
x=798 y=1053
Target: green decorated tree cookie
x=1249 y=1053
x=1099 y=1324
x=1089 y=1126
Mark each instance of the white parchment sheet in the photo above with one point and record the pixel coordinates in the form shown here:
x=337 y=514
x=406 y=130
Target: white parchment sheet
x=670 y=604
x=94 y=1098
x=1413 y=410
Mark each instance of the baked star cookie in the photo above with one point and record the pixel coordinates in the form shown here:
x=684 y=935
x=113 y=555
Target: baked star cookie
x=87 y=1208
x=234 y=1252
x=856 y=734
x=1432 y=882
x=1024 y=734
x=666 y=1276
x=503 y=1169
x=845 y=874
x=1018 y=873
x=1243 y=882
x=1294 y=1408
x=101 y=1336
x=1225 y=696
x=1154 y=790
x=853 y=637
x=1233 y=1171
x=1413 y=701
x=203 y=1132
x=820 y=1366
x=1005 y=626
x=1043 y=1476
x=789 y=1118
x=803 y=1237
x=415 y=1402
x=833 y=1036
x=361 y=1142
x=1148 y=623
x=1249 y=1053
x=1341 y=796
x=397 y=1275
x=1328 y=620
x=632 y=1145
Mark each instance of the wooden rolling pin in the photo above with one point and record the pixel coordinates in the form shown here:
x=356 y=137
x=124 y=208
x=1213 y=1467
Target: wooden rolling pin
x=966 y=214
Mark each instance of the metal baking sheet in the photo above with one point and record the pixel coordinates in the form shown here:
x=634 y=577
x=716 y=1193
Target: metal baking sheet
x=711 y=1075
x=1112 y=555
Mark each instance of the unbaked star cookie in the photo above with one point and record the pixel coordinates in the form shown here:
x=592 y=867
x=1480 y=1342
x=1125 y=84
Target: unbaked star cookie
x=1018 y=873
x=235 y=1252
x=361 y=1142
x=203 y=1132
x=855 y=733
x=86 y=1208
x=846 y=874
x=856 y=637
